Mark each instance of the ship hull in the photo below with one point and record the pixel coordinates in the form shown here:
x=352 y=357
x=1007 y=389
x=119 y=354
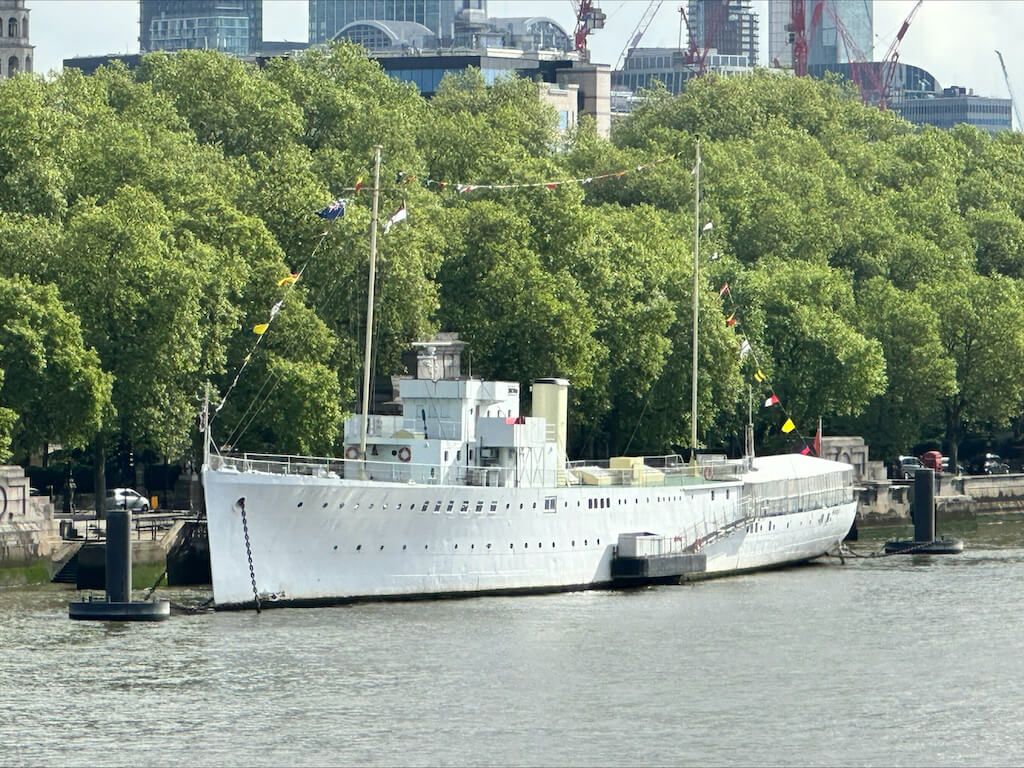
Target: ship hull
x=307 y=540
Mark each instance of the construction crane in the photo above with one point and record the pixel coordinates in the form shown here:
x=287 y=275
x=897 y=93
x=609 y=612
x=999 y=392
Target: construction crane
x=798 y=36
x=1009 y=89
x=641 y=29
x=892 y=56
x=588 y=18
x=695 y=55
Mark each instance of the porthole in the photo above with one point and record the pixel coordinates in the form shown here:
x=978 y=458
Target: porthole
x=584 y=542
x=456 y=546
x=404 y=546
x=488 y=546
x=394 y=453
x=324 y=506
x=335 y=546
x=511 y=546
x=552 y=545
x=299 y=504
x=472 y=546
x=426 y=546
x=341 y=505
x=574 y=542
x=540 y=545
x=599 y=542
x=381 y=548
x=371 y=506
x=526 y=545
x=358 y=547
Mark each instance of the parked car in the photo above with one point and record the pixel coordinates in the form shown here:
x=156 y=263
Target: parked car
x=906 y=466
x=121 y=498
x=989 y=464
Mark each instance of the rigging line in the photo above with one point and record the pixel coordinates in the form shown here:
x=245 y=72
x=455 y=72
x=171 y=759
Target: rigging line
x=647 y=399
x=321 y=307
x=259 y=339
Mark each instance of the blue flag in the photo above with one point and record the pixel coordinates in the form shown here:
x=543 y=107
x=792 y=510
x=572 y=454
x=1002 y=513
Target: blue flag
x=333 y=211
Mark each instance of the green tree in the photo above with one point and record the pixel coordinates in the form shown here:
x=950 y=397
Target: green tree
x=54 y=382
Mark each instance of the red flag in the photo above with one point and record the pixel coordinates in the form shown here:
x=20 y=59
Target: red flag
x=817 y=440
x=805 y=450
x=773 y=400
x=359 y=184
x=731 y=320
x=551 y=186
x=724 y=290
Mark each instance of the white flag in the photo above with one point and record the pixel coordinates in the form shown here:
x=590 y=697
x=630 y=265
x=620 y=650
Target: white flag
x=400 y=215
x=744 y=349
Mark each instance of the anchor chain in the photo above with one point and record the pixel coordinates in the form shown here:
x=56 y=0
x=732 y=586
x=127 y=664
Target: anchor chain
x=248 y=554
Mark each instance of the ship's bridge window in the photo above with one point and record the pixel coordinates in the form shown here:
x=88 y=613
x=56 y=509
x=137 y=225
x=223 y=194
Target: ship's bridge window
x=550 y=503
x=451 y=505
x=494 y=506
x=479 y=506
x=465 y=506
x=437 y=506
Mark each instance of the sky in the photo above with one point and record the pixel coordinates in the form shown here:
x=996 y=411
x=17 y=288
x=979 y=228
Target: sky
x=955 y=40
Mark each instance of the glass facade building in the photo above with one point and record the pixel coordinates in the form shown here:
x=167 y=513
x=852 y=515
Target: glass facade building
x=669 y=66
x=826 y=43
x=729 y=27
x=956 y=106
x=328 y=17
x=232 y=26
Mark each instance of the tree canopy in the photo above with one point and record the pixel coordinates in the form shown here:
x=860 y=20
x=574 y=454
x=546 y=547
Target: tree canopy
x=860 y=269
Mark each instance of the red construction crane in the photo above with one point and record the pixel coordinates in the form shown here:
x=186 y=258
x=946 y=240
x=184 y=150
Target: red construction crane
x=798 y=36
x=892 y=56
x=641 y=28
x=588 y=18
x=713 y=16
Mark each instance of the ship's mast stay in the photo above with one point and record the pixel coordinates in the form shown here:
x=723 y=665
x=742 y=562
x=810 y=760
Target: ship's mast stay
x=369 y=308
x=696 y=279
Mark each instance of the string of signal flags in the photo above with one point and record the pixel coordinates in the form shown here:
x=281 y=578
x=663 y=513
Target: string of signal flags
x=336 y=210
x=773 y=400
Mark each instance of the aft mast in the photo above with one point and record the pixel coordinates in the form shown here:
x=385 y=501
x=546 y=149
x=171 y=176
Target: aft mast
x=369 y=309
x=696 y=279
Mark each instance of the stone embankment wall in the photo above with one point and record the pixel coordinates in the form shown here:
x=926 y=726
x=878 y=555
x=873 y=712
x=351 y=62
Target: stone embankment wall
x=889 y=501
x=27 y=528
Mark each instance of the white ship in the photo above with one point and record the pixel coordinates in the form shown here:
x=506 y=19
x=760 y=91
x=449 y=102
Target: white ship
x=461 y=494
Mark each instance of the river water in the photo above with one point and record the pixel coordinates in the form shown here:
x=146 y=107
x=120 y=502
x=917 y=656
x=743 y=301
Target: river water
x=889 y=661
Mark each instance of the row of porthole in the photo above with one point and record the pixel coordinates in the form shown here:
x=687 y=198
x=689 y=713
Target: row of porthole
x=526 y=545
x=494 y=505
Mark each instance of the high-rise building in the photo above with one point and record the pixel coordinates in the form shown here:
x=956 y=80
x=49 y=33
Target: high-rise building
x=838 y=32
x=957 y=105
x=232 y=26
x=15 y=50
x=449 y=20
x=729 y=27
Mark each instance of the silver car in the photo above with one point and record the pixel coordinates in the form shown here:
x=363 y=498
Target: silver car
x=126 y=498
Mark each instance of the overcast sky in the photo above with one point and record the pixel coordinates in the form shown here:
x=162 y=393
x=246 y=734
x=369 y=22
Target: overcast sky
x=955 y=40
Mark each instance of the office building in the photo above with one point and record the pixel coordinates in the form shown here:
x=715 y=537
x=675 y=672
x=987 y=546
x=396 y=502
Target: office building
x=15 y=51
x=231 y=26
x=672 y=68
x=453 y=22
x=957 y=105
x=728 y=27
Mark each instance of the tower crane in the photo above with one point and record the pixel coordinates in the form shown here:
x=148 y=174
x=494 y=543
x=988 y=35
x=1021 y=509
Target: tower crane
x=641 y=29
x=892 y=56
x=1009 y=89
x=588 y=18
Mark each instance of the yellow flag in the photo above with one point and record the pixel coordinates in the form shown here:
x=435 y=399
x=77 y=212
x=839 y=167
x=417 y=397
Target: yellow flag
x=292 y=278
x=759 y=376
x=789 y=426
x=260 y=329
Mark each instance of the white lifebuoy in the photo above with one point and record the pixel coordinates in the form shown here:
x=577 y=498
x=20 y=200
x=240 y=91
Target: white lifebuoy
x=404 y=454
x=709 y=473
x=351 y=452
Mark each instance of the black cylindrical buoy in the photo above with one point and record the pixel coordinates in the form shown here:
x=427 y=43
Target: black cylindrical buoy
x=922 y=505
x=119 y=556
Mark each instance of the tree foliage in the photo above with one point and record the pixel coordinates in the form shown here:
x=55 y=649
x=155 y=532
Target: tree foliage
x=147 y=217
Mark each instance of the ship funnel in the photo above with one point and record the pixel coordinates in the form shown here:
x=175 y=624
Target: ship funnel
x=551 y=402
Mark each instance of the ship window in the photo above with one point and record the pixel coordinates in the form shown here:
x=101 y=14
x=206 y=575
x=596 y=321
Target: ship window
x=552 y=545
x=508 y=506
x=381 y=548
x=299 y=504
x=464 y=507
x=574 y=542
x=479 y=506
x=358 y=547
x=520 y=505
x=470 y=454
x=341 y=505
x=456 y=546
x=426 y=504
x=727 y=493
x=356 y=505
x=494 y=506
x=712 y=495
x=335 y=546
x=324 y=506
x=599 y=542
x=535 y=505
x=584 y=542
x=526 y=545
x=488 y=546
x=510 y=546
x=446 y=455
x=404 y=546
x=437 y=506
x=394 y=453
x=371 y=506
x=550 y=503
x=540 y=545
x=399 y=506
x=458 y=455
x=451 y=505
